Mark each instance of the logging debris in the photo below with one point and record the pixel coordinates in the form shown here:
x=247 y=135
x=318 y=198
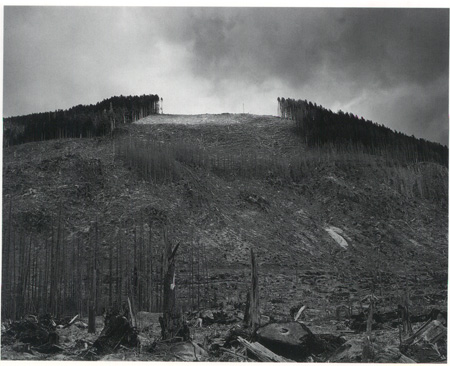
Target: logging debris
x=117 y=331
x=424 y=345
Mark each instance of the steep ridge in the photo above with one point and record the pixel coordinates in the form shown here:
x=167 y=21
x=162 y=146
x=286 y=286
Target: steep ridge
x=392 y=217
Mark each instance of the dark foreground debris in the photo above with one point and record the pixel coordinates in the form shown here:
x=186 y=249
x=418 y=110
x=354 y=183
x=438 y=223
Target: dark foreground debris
x=426 y=344
x=117 y=331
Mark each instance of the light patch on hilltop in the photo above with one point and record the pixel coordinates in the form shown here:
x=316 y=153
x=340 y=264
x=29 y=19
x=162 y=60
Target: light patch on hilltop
x=334 y=233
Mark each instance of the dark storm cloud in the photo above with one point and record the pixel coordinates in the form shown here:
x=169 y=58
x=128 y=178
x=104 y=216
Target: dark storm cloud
x=388 y=65
x=399 y=57
x=382 y=46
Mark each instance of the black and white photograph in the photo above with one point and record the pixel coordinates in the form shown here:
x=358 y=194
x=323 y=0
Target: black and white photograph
x=264 y=183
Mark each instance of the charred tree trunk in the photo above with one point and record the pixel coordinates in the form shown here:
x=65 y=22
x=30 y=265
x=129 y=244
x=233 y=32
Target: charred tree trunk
x=172 y=323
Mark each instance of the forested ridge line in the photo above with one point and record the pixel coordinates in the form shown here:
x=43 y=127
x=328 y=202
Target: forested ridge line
x=79 y=121
x=319 y=127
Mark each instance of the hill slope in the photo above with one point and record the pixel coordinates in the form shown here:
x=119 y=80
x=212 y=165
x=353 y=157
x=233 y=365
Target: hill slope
x=325 y=227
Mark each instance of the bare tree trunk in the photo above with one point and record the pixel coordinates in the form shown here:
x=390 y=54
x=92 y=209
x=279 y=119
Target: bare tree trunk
x=81 y=287
x=33 y=301
x=198 y=275
x=46 y=278
x=110 y=275
x=14 y=268
x=141 y=268
x=62 y=274
x=404 y=308
x=150 y=285
x=6 y=277
x=91 y=320
x=254 y=296
x=161 y=284
x=40 y=284
x=192 y=274
x=172 y=324
x=135 y=274
x=56 y=264
x=206 y=285
x=20 y=288
x=119 y=269
x=93 y=299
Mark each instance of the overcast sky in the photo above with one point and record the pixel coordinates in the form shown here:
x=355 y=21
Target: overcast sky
x=388 y=65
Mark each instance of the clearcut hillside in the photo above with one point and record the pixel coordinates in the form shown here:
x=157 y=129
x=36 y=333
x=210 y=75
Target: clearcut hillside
x=327 y=227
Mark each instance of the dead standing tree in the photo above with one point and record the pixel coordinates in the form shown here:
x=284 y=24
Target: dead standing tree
x=93 y=290
x=404 y=311
x=254 y=296
x=172 y=323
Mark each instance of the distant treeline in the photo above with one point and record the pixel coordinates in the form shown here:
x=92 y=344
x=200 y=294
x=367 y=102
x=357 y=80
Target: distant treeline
x=318 y=126
x=79 y=121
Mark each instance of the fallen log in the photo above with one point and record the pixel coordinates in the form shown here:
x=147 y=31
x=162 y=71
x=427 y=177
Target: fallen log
x=262 y=353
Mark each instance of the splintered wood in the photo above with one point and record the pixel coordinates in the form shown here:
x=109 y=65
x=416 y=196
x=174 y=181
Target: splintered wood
x=430 y=332
x=300 y=313
x=172 y=323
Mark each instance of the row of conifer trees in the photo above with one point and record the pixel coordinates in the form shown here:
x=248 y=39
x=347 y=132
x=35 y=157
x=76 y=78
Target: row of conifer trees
x=79 y=121
x=318 y=126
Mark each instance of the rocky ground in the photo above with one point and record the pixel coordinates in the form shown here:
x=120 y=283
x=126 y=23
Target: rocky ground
x=351 y=226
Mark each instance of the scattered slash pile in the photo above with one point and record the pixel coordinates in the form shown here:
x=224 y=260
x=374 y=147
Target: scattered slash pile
x=289 y=341
x=253 y=337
